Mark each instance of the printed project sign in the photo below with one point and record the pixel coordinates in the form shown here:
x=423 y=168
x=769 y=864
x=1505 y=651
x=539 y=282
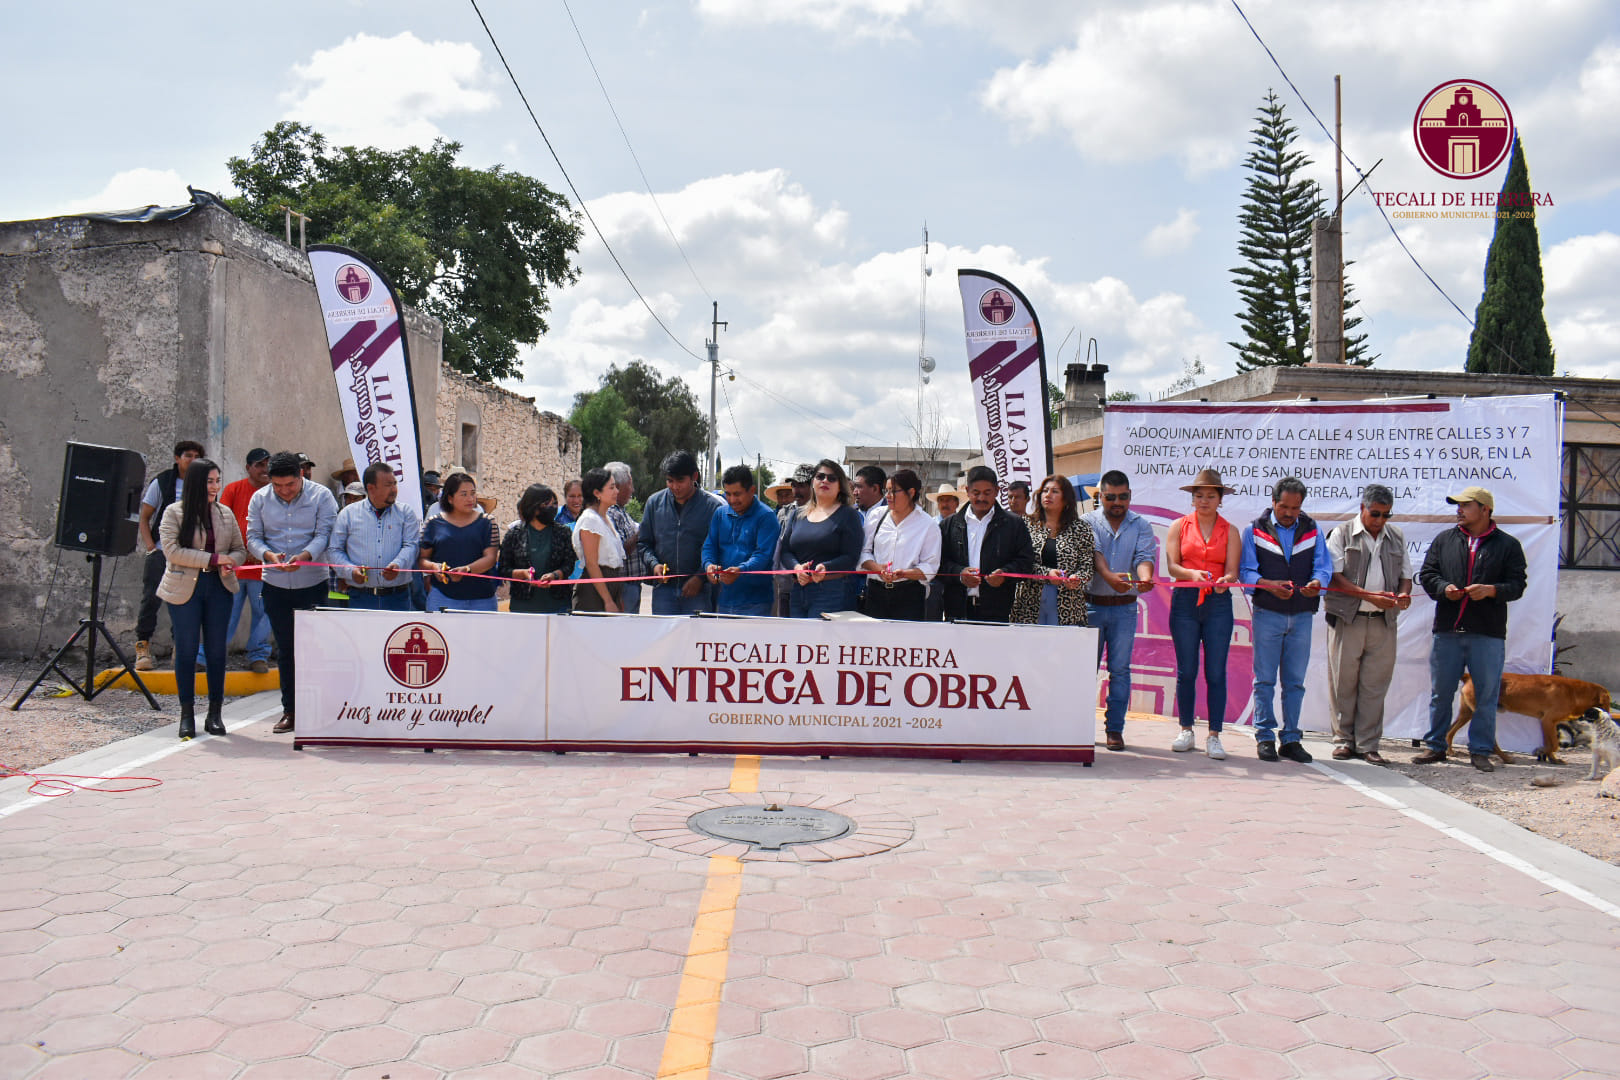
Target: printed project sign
x=1421 y=450
x=630 y=683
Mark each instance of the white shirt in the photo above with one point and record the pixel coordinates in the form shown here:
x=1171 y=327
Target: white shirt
x=976 y=528
x=609 y=550
x=910 y=544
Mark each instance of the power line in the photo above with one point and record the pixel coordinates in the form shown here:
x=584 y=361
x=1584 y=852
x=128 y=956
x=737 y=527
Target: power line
x=578 y=198
x=812 y=415
x=644 y=181
x=733 y=416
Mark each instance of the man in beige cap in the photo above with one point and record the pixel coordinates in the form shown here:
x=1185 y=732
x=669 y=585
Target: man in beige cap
x=1472 y=572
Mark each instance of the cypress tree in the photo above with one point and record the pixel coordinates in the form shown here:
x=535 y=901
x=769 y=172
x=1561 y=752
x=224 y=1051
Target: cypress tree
x=1275 y=242
x=1510 y=326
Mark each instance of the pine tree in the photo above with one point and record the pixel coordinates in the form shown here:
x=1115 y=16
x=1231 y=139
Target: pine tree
x=1279 y=206
x=1510 y=326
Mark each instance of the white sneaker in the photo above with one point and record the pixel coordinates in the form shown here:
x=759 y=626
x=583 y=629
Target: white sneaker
x=1184 y=741
x=1212 y=747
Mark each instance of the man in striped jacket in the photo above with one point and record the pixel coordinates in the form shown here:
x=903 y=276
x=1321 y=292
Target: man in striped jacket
x=1286 y=556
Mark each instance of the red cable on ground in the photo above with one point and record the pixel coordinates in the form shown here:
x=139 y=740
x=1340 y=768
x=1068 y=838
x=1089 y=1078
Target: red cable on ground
x=55 y=785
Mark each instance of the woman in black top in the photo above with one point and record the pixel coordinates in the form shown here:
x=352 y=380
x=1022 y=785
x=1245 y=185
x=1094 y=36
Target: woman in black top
x=825 y=535
x=537 y=549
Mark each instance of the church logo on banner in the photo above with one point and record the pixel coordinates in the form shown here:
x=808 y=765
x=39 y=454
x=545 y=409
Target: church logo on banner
x=366 y=336
x=1007 y=366
x=417 y=655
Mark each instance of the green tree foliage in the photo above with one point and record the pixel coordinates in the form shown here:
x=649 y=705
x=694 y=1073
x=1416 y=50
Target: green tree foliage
x=1510 y=326
x=1275 y=242
x=605 y=434
x=475 y=248
x=664 y=412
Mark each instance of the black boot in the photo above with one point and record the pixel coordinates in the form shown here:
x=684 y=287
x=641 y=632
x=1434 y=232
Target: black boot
x=188 y=720
x=214 y=725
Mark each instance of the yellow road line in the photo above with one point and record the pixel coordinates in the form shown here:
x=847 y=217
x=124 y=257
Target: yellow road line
x=689 y=1045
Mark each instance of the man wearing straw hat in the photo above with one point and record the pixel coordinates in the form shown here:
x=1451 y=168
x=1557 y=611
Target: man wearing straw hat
x=1286 y=556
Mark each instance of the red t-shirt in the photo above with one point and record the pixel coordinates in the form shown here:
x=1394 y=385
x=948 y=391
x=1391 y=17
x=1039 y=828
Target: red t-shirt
x=236 y=496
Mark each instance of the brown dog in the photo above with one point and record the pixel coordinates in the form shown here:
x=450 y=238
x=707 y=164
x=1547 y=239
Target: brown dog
x=1551 y=699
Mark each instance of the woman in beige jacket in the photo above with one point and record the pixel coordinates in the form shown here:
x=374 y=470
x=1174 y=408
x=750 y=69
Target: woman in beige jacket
x=203 y=547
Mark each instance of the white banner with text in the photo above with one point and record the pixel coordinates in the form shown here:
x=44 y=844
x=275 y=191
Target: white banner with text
x=662 y=685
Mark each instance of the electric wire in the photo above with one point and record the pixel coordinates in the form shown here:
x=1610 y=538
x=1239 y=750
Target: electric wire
x=1564 y=393
x=633 y=156
x=813 y=416
x=737 y=430
x=578 y=198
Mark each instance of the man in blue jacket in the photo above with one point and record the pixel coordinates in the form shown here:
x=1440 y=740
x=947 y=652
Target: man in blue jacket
x=742 y=537
x=674 y=527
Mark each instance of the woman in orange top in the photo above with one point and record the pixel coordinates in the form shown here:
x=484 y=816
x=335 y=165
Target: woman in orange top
x=1203 y=546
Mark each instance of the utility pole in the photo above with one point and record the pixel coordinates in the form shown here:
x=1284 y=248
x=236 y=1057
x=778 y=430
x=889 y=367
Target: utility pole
x=714 y=384
x=1327 y=263
x=1338 y=204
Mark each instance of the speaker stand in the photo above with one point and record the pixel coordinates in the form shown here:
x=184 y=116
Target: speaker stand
x=91 y=627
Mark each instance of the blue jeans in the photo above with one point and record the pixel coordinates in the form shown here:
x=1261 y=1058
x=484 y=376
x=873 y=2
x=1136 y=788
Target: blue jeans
x=1282 y=644
x=1116 y=633
x=258 y=646
x=205 y=617
x=368 y=600
x=1483 y=657
x=1048 y=615
x=437 y=601
x=760 y=608
x=630 y=598
x=1193 y=624
x=812 y=601
x=667 y=600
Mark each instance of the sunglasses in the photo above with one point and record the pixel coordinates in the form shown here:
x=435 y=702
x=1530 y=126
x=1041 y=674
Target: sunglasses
x=1380 y=513
x=826 y=478
x=1123 y=496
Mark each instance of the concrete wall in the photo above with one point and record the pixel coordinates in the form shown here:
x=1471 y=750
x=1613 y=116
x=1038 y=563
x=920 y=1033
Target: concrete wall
x=1586 y=600
x=137 y=336
x=516 y=444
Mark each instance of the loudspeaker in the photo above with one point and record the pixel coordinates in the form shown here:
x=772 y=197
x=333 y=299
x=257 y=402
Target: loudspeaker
x=101 y=499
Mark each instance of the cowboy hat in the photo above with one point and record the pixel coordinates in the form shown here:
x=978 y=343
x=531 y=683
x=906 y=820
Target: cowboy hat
x=1209 y=478
x=347 y=472
x=950 y=490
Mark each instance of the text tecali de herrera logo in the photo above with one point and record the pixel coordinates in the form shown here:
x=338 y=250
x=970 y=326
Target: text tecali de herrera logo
x=353 y=283
x=1463 y=129
x=996 y=307
x=417 y=655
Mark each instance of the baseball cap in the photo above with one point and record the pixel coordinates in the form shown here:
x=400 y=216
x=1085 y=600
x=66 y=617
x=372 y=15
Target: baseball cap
x=804 y=474
x=257 y=454
x=431 y=478
x=355 y=488
x=1473 y=494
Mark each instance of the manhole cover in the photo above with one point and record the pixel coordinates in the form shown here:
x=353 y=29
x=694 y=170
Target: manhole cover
x=770 y=826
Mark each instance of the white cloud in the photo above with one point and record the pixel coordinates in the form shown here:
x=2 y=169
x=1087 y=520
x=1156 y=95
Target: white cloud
x=831 y=329
x=128 y=190
x=388 y=92
x=868 y=18
x=1172 y=236
x=1579 y=276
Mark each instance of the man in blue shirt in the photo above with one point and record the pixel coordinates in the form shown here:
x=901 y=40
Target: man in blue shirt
x=376 y=539
x=1286 y=556
x=1127 y=555
x=290 y=521
x=742 y=537
x=674 y=527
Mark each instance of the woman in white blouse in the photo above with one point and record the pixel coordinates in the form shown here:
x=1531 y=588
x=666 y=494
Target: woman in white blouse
x=598 y=546
x=901 y=553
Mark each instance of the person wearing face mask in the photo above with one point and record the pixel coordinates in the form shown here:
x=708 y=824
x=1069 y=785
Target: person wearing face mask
x=537 y=551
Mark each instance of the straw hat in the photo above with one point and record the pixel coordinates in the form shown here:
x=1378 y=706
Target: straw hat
x=947 y=490
x=1209 y=478
x=347 y=473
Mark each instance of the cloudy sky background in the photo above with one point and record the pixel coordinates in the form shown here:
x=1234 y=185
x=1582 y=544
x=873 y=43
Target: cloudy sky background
x=1090 y=152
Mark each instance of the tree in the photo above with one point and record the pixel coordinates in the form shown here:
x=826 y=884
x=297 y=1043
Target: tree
x=664 y=412
x=1275 y=242
x=1510 y=325
x=475 y=248
x=604 y=433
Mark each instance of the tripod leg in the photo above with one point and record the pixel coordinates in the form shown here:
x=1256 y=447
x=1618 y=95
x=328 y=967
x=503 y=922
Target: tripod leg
x=101 y=628
x=51 y=665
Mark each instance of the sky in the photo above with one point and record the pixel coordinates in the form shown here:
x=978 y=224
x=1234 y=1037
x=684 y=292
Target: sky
x=788 y=153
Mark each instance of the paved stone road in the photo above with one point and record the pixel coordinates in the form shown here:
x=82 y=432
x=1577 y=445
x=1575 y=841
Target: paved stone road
x=351 y=913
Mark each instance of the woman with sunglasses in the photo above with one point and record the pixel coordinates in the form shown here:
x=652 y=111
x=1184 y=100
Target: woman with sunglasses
x=1065 y=548
x=901 y=553
x=824 y=537
x=1202 y=547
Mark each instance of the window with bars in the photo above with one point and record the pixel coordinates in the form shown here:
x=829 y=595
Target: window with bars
x=1590 y=499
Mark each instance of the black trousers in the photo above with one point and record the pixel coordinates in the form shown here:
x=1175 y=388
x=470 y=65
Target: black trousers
x=151 y=573
x=279 y=605
x=906 y=600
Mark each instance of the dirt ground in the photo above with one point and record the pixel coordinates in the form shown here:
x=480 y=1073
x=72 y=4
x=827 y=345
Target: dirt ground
x=49 y=728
